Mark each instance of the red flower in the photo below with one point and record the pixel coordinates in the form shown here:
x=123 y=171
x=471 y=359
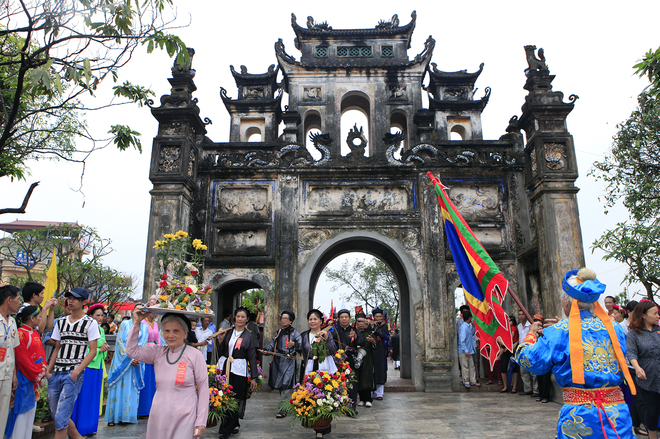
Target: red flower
x=320 y=385
x=164 y=276
x=206 y=288
x=163 y=284
x=189 y=290
x=194 y=272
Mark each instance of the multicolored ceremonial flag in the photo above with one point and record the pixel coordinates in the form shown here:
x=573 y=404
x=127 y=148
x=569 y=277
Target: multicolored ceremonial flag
x=483 y=284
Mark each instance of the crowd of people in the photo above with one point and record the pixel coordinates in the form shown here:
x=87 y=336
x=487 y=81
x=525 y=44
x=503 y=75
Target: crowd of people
x=606 y=360
x=615 y=343
x=366 y=341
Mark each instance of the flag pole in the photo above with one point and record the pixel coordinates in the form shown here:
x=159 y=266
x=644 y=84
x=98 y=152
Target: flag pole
x=516 y=299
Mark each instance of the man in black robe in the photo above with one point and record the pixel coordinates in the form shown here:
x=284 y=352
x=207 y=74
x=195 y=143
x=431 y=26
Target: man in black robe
x=380 y=336
x=395 y=350
x=348 y=339
x=365 y=377
x=286 y=341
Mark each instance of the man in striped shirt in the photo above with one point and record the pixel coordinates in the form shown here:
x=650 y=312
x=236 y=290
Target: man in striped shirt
x=73 y=336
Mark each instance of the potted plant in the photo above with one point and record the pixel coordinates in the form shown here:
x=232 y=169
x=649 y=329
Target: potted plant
x=319 y=399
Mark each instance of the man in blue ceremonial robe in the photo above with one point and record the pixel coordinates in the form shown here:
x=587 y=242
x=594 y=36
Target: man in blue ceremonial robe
x=586 y=353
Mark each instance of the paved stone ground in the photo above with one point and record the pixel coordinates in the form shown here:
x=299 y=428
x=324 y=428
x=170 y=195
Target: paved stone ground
x=405 y=415
x=399 y=415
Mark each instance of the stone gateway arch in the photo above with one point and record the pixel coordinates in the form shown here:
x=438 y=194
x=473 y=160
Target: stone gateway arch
x=274 y=212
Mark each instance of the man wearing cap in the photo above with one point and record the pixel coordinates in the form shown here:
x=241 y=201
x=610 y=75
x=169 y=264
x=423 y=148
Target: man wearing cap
x=72 y=335
x=348 y=339
x=286 y=342
x=586 y=353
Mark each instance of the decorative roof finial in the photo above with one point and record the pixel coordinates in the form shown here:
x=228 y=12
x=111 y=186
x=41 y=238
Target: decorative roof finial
x=534 y=63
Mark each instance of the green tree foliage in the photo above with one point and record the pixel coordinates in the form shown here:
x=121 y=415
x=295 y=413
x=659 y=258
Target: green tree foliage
x=54 y=53
x=370 y=283
x=631 y=172
x=253 y=300
x=80 y=251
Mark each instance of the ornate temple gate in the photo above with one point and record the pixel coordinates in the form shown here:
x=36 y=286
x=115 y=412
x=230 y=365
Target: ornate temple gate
x=273 y=215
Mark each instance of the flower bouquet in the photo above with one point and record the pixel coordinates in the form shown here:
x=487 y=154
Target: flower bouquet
x=221 y=397
x=260 y=381
x=343 y=366
x=179 y=259
x=320 y=398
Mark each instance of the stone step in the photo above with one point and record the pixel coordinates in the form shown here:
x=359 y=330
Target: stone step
x=399 y=385
x=484 y=388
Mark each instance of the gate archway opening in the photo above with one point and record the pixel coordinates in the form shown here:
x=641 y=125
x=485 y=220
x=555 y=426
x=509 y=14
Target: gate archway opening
x=378 y=249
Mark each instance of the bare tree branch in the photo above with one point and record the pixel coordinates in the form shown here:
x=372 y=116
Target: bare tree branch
x=25 y=202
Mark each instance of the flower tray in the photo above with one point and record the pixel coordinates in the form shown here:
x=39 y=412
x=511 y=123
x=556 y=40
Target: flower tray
x=161 y=311
x=319 y=424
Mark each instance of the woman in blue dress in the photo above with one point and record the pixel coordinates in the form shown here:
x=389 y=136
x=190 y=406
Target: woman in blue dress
x=125 y=379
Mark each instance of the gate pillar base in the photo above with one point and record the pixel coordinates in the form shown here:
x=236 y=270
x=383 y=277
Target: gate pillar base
x=437 y=377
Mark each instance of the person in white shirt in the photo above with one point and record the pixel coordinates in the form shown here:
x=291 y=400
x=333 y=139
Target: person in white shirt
x=530 y=383
x=10 y=302
x=203 y=332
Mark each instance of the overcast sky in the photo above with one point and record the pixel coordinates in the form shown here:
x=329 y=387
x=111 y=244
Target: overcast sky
x=590 y=47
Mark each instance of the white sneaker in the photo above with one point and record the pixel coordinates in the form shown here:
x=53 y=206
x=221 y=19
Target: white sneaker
x=368 y=403
x=361 y=403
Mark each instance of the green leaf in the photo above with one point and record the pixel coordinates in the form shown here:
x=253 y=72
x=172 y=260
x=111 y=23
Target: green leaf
x=88 y=71
x=135 y=93
x=125 y=137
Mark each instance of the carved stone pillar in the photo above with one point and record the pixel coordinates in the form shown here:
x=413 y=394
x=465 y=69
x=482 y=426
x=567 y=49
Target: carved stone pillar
x=550 y=180
x=174 y=159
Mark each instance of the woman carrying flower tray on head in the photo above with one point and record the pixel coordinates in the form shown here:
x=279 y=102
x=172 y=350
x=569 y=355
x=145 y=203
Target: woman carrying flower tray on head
x=318 y=349
x=238 y=358
x=181 y=403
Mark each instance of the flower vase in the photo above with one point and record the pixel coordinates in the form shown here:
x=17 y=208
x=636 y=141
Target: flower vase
x=318 y=424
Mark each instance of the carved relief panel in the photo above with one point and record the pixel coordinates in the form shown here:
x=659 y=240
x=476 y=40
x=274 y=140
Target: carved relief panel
x=230 y=241
x=245 y=200
x=367 y=197
x=312 y=93
x=477 y=202
x=169 y=159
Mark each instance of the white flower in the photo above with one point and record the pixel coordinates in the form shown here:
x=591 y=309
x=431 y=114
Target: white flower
x=193 y=287
x=320 y=402
x=336 y=404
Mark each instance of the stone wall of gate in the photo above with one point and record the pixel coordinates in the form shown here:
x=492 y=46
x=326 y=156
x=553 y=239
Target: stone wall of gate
x=273 y=214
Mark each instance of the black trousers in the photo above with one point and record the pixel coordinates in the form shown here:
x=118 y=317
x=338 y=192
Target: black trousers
x=638 y=410
x=652 y=404
x=239 y=385
x=365 y=395
x=545 y=385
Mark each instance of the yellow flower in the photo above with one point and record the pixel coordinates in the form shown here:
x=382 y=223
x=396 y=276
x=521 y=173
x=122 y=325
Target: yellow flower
x=328 y=387
x=202 y=247
x=317 y=381
x=335 y=384
x=181 y=234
